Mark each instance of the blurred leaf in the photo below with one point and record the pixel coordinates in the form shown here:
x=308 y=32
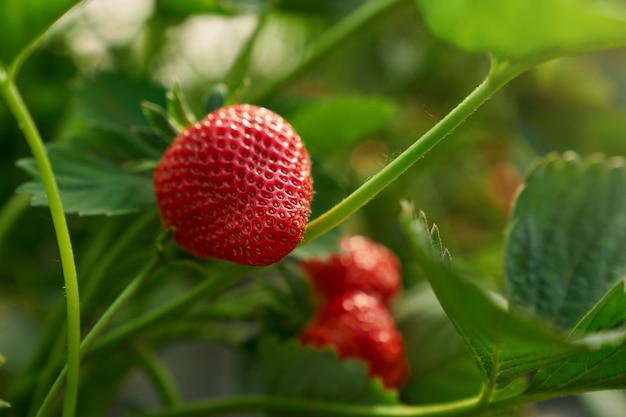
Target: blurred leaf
x=525 y=28
x=290 y=370
x=22 y=21
x=505 y=345
x=115 y=99
x=435 y=351
x=338 y=122
x=96 y=174
x=567 y=241
x=159 y=121
x=177 y=108
x=183 y=8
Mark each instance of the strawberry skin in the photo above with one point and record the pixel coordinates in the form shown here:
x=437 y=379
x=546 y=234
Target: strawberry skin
x=236 y=186
x=361 y=264
x=359 y=326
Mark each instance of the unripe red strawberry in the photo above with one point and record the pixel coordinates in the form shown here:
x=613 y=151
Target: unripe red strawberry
x=362 y=265
x=236 y=186
x=359 y=326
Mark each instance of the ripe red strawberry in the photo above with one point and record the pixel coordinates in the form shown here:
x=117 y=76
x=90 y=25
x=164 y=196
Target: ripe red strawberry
x=359 y=326
x=362 y=265
x=236 y=186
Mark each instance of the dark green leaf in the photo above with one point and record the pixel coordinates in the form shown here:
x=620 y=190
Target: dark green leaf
x=23 y=21
x=602 y=364
x=436 y=352
x=115 y=99
x=608 y=313
x=96 y=174
x=567 y=242
x=525 y=28
x=504 y=344
x=287 y=369
x=338 y=122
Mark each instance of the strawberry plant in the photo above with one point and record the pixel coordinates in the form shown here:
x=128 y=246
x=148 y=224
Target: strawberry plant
x=219 y=208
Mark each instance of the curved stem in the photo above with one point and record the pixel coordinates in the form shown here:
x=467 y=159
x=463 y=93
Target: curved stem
x=98 y=328
x=22 y=114
x=499 y=75
x=324 y=44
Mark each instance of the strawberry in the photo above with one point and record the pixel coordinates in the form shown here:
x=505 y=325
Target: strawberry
x=362 y=264
x=359 y=326
x=236 y=186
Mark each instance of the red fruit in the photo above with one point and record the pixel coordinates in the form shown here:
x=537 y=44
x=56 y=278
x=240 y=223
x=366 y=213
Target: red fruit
x=359 y=326
x=362 y=265
x=236 y=186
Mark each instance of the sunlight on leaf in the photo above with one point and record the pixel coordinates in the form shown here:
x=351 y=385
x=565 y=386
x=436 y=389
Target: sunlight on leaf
x=525 y=28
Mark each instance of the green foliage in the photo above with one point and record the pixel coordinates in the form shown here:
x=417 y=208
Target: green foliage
x=338 y=122
x=565 y=247
x=22 y=21
x=436 y=353
x=527 y=28
x=102 y=173
x=3 y=404
x=287 y=369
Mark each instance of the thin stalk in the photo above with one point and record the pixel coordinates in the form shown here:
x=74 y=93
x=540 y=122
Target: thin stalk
x=11 y=210
x=326 y=43
x=500 y=75
x=98 y=328
x=160 y=376
x=227 y=275
x=296 y=406
x=19 y=109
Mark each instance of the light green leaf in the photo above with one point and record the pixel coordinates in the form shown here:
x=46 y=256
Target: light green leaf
x=287 y=369
x=527 y=28
x=23 y=21
x=608 y=313
x=177 y=108
x=505 y=345
x=338 y=122
x=567 y=241
x=3 y=404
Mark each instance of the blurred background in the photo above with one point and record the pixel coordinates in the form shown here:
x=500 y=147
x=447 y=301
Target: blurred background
x=106 y=56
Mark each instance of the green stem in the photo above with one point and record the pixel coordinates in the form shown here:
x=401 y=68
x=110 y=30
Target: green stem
x=224 y=277
x=296 y=406
x=10 y=212
x=500 y=74
x=98 y=328
x=158 y=374
x=324 y=44
x=19 y=109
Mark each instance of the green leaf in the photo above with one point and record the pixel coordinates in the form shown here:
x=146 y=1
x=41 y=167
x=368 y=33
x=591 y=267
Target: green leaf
x=159 y=121
x=505 y=345
x=96 y=174
x=23 y=21
x=602 y=365
x=567 y=241
x=436 y=353
x=527 y=28
x=338 y=122
x=178 y=111
x=608 y=313
x=287 y=369
x=115 y=99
